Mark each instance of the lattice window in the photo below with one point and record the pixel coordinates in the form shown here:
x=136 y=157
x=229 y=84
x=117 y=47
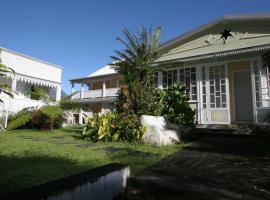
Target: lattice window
x=187 y=76
x=257 y=83
x=217 y=84
x=203 y=87
x=169 y=77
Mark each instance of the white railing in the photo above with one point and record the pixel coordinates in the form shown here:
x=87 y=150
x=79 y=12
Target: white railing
x=109 y=92
x=92 y=94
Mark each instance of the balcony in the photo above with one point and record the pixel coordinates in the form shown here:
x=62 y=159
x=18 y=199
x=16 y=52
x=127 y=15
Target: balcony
x=95 y=94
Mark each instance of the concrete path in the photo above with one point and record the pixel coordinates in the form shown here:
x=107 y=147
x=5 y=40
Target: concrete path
x=215 y=168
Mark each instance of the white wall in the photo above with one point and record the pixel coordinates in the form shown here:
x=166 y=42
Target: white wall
x=31 y=67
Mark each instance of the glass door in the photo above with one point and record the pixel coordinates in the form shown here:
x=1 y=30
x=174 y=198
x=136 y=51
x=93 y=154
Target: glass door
x=215 y=95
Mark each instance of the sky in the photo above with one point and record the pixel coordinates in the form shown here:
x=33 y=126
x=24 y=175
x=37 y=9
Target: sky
x=80 y=35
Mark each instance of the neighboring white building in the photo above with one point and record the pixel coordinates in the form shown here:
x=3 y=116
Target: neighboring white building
x=29 y=72
x=98 y=91
x=220 y=62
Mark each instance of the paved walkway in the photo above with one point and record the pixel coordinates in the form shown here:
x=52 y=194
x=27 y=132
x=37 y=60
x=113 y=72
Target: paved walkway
x=212 y=168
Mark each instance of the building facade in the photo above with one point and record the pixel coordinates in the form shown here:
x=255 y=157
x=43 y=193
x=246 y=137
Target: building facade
x=29 y=72
x=220 y=62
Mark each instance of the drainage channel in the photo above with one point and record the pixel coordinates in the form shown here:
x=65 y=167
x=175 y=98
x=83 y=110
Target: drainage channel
x=102 y=183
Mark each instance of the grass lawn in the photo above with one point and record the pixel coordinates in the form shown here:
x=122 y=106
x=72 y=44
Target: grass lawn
x=29 y=157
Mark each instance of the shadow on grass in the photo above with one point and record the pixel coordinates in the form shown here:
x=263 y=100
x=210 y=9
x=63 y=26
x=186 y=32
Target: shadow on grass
x=18 y=173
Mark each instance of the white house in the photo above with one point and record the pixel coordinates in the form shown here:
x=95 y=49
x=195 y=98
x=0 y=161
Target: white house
x=29 y=72
x=220 y=62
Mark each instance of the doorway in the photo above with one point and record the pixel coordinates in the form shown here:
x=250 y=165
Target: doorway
x=243 y=109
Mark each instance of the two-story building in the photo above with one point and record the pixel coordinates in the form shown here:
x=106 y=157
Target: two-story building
x=220 y=62
x=29 y=72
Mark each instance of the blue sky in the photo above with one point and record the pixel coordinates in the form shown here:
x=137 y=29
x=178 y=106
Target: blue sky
x=80 y=34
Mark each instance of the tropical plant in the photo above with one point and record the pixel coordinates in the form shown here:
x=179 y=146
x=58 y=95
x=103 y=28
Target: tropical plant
x=38 y=93
x=4 y=72
x=176 y=108
x=157 y=105
x=52 y=112
x=134 y=63
x=67 y=104
x=20 y=119
x=113 y=127
x=46 y=117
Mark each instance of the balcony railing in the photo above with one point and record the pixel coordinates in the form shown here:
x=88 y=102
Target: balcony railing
x=92 y=94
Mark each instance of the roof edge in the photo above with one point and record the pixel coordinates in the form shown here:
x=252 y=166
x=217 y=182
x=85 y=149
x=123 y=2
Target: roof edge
x=32 y=58
x=212 y=23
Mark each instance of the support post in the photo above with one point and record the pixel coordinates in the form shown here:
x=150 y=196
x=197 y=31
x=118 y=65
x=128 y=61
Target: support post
x=81 y=117
x=72 y=88
x=160 y=80
x=6 y=119
x=58 y=92
x=104 y=88
x=82 y=90
x=14 y=84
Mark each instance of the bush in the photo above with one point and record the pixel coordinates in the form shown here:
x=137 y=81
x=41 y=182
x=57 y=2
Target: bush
x=157 y=105
x=47 y=117
x=176 y=108
x=113 y=127
x=20 y=119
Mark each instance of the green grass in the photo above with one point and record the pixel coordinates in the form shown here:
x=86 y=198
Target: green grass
x=30 y=157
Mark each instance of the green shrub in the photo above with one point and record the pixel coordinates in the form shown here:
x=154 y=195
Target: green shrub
x=157 y=104
x=47 y=117
x=113 y=127
x=21 y=119
x=38 y=93
x=176 y=108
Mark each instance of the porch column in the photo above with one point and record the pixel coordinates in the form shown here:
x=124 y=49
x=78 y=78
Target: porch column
x=82 y=90
x=14 y=84
x=160 y=80
x=6 y=118
x=72 y=88
x=104 y=88
x=80 y=117
x=58 y=93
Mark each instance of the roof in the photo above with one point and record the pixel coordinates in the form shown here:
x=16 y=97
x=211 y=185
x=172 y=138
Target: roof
x=226 y=18
x=106 y=70
x=32 y=58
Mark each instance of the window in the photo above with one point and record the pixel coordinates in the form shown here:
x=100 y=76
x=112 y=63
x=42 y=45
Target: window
x=268 y=79
x=257 y=83
x=187 y=76
x=203 y=87
x=169 y=77
x=217 y=85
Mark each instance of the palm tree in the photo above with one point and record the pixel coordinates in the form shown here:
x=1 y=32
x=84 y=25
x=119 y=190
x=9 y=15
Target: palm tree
x=4 y=72
x=139 y=54
x=135 y=64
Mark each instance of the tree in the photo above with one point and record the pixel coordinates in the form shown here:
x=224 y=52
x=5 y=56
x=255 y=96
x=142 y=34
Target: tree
x=135 y=64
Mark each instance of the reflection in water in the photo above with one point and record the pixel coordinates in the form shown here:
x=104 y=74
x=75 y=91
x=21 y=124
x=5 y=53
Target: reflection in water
x=104 y=188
